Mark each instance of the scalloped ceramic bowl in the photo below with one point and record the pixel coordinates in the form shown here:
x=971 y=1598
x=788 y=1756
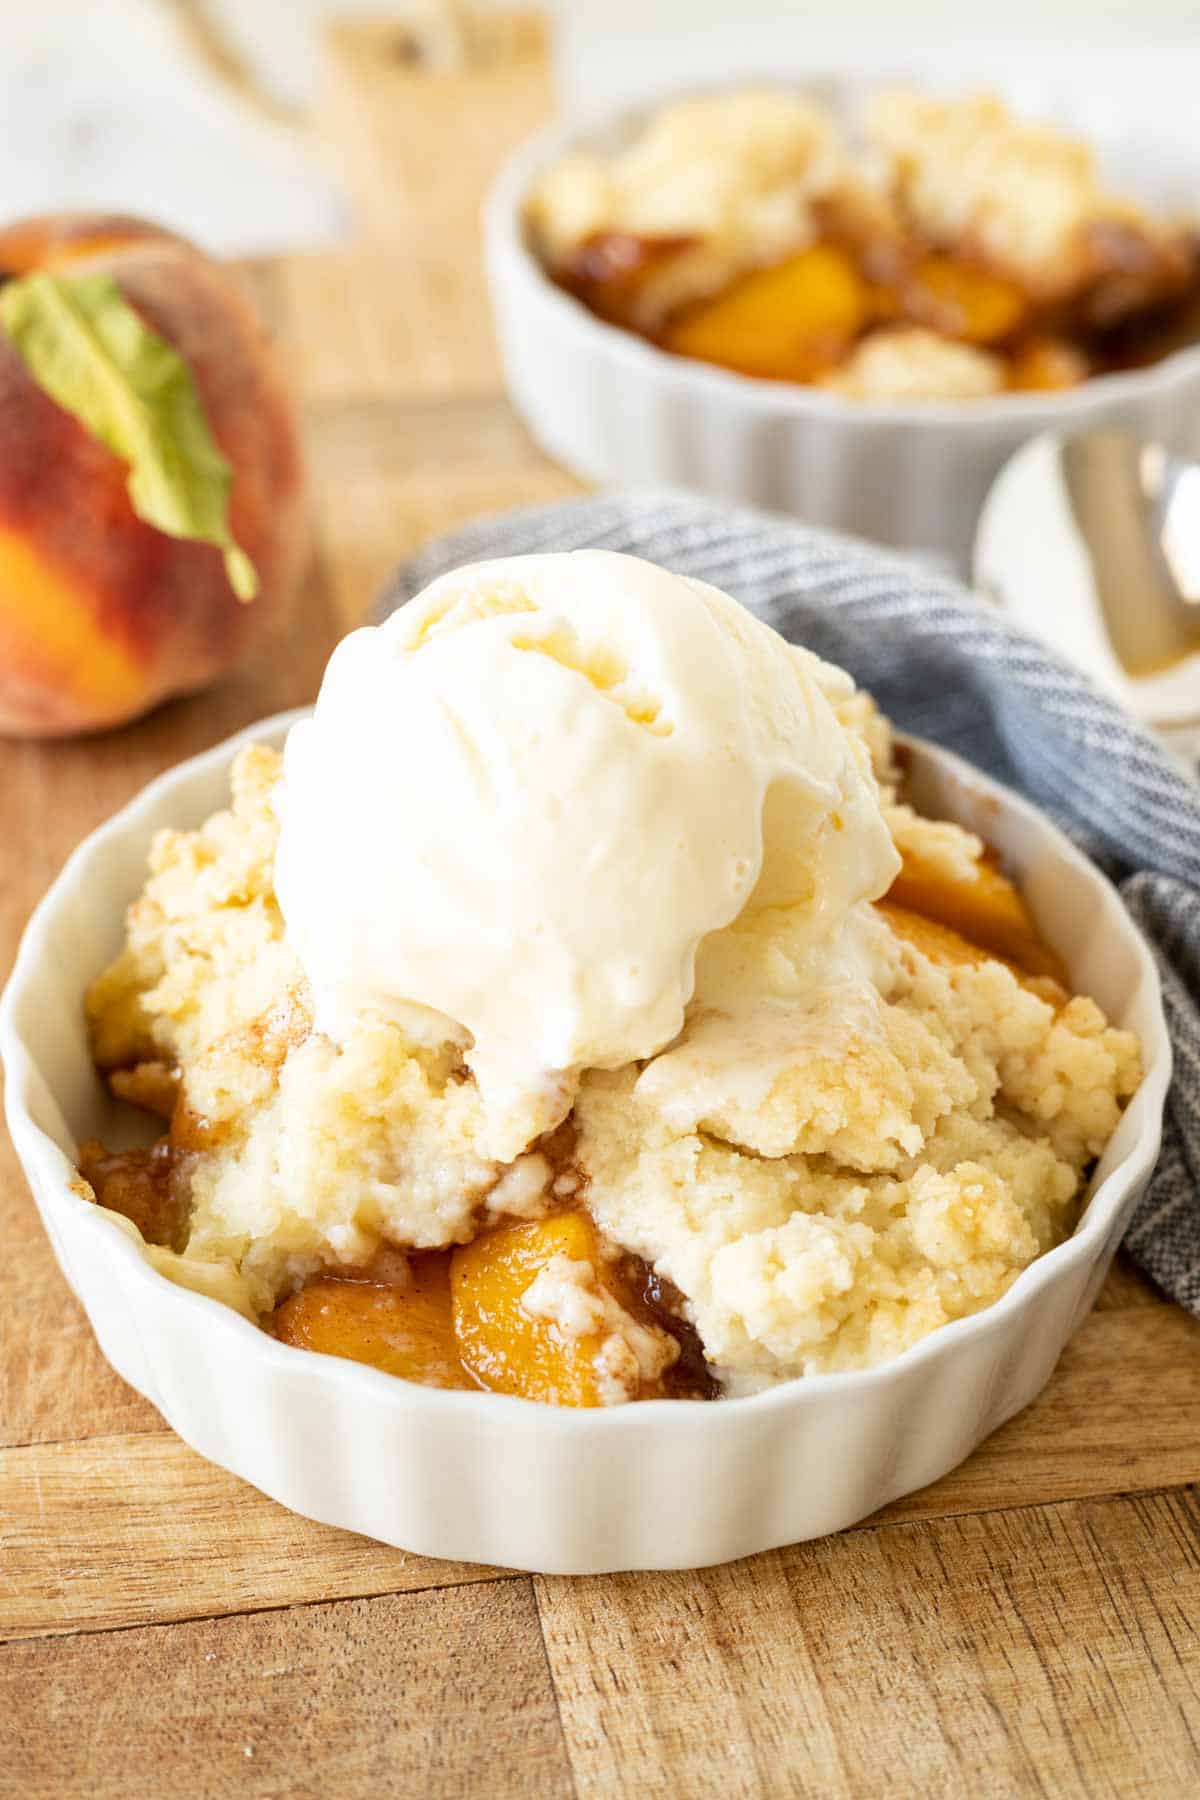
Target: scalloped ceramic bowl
x=615 y=408
x=486 y=1478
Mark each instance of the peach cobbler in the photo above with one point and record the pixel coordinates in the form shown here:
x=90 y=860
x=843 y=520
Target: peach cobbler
x=944 y=249
x=578 y=1010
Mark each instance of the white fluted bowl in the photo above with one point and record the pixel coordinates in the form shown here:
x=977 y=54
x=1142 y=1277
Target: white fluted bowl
x=485 y=1478
x=616 y=409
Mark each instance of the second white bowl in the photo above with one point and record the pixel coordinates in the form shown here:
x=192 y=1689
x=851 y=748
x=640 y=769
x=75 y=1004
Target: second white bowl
x=616 y=409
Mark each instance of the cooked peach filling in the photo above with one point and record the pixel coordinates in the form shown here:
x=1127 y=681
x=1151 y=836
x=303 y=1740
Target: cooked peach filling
x=537 y=1309
x=829 y=1161
x=945 y=250
x=543 y=1309
x=804 y=319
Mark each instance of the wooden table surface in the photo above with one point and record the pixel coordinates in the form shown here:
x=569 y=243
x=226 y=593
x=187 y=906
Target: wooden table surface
x=1028 y=1625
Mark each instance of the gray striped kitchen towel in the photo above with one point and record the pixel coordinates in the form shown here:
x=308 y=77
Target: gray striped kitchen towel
x=945 y=666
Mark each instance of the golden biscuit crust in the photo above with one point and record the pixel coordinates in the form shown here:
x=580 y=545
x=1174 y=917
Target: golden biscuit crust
x=824 y=1175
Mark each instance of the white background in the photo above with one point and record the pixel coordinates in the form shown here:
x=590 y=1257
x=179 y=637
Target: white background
x=101 y=103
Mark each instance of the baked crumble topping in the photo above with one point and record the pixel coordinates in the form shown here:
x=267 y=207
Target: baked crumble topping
x=944 y=249
x=794 y=1184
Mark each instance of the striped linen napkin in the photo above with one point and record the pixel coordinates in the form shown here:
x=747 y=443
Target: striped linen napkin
x=947 y=667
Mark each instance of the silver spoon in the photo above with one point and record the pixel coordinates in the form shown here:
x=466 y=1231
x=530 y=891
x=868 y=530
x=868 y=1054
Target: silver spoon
x=1093 y=542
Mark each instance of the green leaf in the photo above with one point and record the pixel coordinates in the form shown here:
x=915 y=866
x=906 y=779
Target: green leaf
x=87 y=348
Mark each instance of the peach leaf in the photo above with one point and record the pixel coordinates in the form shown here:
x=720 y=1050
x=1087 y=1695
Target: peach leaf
x=88 y=349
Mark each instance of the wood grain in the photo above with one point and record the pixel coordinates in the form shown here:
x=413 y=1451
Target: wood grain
x=419 y=142
x=462 y=436
x=122 y=1531
x=425 y=1695
x=127 y=1529
x=1046 y=1651
x=54 y=1383
x=389 y=474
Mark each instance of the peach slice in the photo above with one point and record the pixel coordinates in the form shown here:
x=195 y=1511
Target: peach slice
x=987 y=912
x=511 y=1350
x=949 y=948
x=505 y=1348
x=1047 y=365
x=792 y=322
x=963 y=301
x=405 y=1329
x=938 y=942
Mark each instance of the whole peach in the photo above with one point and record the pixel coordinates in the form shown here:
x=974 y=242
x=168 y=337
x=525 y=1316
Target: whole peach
x=102 y=615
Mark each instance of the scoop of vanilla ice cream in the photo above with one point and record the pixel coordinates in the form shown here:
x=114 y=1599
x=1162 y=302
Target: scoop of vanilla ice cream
x=523 y=803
